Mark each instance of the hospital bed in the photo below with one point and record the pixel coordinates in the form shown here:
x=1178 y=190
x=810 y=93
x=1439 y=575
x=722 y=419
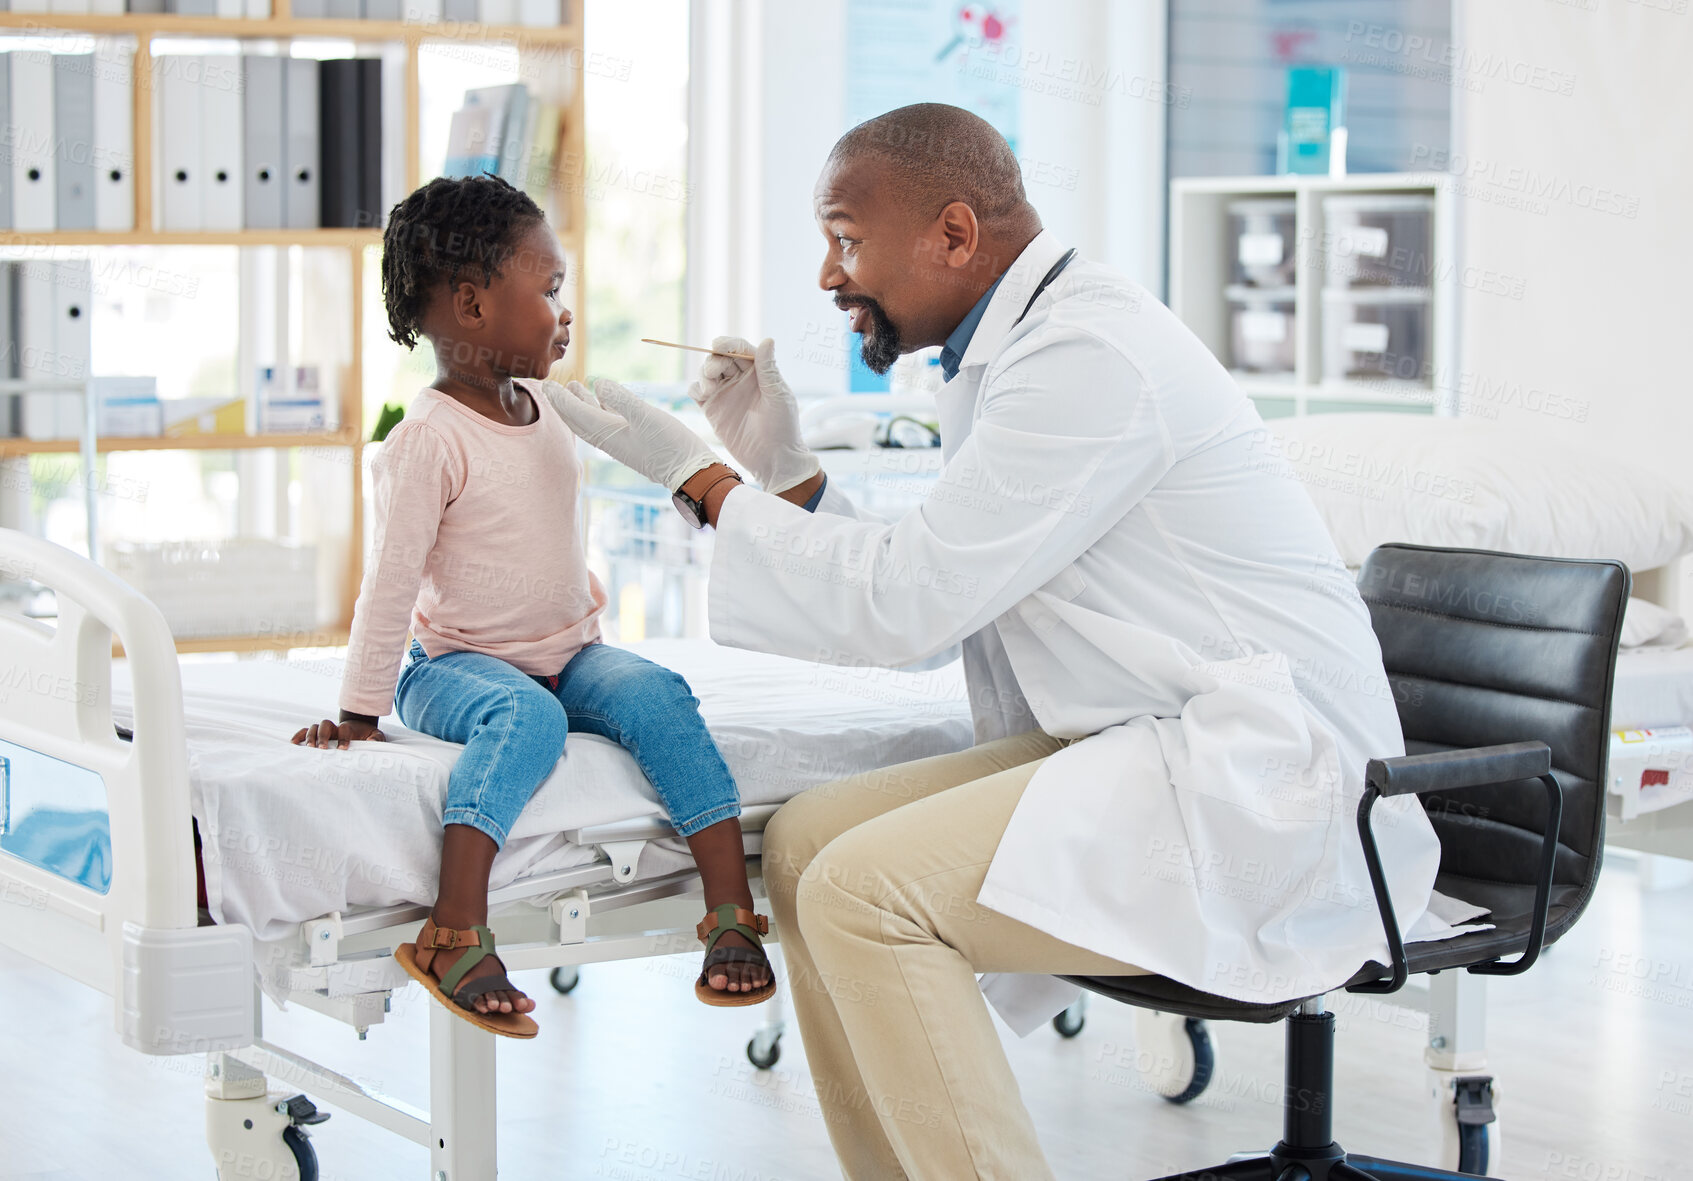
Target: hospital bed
x=318 y=863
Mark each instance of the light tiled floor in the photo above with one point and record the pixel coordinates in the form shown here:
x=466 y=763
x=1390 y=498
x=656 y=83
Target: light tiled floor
x=633 y=1079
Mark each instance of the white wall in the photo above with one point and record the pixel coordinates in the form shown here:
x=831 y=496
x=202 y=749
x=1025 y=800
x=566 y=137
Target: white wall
x=1093 y=157
x=1590 y=337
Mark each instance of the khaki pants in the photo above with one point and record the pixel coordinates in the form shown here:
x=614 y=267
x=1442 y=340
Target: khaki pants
x=873 y=883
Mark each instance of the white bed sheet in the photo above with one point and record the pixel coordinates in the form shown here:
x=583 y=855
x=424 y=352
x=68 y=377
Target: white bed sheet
x=292 y=833
x=1654 y=688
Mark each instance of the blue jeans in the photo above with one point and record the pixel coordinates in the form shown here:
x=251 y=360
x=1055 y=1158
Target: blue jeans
x=513 y=728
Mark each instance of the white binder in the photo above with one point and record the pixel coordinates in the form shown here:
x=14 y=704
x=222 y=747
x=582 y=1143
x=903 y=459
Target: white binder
x=265 y=178
x=498 y=12
x=256 y=10
x=422 y=12
x=114 y=137
x=33 y=182
x=300 y=144
x=68 y=6
x=73 y=307
x=37 y=353
x=181 y=187
x=106 y=7
x=5 y=220
x=30 y=6
x=232 y=9
x=538 y=14
x=221 y=164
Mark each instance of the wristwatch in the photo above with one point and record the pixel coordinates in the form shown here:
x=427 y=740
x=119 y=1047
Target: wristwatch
x=693 y=511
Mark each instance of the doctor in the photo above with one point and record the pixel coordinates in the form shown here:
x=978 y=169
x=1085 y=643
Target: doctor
x=1174 y=682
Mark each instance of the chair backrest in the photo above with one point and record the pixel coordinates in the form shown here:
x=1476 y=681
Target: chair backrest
x=1484 y=648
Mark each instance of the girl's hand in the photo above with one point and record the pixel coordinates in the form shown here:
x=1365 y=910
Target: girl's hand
x=326 y=734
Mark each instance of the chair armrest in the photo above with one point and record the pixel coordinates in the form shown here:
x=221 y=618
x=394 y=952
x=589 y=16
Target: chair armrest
x=1451 y=770
x=1448 y=770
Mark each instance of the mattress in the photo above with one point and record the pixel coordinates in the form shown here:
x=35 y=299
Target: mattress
x=291 y=833
x=1654 y=688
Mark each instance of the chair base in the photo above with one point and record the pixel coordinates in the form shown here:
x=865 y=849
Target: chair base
x=1307 y=1151
x=1326 y=1166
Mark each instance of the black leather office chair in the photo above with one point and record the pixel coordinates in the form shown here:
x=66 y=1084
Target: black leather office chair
x=1502 y=667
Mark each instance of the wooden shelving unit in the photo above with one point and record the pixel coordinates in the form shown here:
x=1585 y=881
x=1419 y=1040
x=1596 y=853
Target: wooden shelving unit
x=534 y=45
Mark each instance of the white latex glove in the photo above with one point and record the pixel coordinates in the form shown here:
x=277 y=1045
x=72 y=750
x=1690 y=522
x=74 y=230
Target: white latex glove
x=753 y=411
x=632 y=431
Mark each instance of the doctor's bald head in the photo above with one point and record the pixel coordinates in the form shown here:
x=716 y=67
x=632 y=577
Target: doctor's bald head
x=923 y=208
x=935 y=154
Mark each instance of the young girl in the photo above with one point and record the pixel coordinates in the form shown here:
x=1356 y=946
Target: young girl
x=476 y=550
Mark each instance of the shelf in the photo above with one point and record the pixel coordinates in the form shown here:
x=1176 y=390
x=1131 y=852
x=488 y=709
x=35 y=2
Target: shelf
x=319 y=237
x=14 y=447
x=333 y=636
x=139 y=24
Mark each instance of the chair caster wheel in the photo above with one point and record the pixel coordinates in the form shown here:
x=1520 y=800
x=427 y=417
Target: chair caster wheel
x=764 y=1056
x=565 y=980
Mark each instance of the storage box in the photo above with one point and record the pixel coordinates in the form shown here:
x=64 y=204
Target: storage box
x=1262 y=242
x=1378 y=240
x=232 y=587
x=204 y=416
x=1261 y=330
x=290 y=412
x=127 y=407
x=1376 y=334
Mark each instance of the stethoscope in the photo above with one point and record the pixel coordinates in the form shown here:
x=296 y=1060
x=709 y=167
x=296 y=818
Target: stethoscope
x=904 y=431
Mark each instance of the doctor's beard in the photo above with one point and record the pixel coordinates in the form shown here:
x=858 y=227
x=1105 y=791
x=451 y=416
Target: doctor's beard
x=879 y=347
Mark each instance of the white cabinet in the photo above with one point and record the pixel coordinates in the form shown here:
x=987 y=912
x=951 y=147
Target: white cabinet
x=1322 y=293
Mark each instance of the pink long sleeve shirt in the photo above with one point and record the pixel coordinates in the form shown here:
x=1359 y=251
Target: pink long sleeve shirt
x=476 y=548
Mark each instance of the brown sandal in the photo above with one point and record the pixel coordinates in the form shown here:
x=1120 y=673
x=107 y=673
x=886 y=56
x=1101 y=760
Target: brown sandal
x=748 y=925
x=452 y=990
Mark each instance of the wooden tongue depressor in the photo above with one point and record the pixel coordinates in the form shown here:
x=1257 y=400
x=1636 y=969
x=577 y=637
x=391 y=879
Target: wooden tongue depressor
x=694 y=348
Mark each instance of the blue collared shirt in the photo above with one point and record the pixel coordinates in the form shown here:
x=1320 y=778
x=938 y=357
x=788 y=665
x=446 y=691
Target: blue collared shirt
x=952 y=353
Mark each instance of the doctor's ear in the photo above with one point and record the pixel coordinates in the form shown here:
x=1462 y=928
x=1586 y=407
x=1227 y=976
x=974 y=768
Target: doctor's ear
x=960 y=234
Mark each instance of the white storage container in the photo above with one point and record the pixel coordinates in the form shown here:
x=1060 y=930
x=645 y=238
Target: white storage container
x=234 y=587
x=1376 y=335
x=1261 y=330
x=1262 y=242
x=1378 y=240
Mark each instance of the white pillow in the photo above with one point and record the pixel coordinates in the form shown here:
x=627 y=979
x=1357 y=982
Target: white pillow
x=1473 y=483
x=1645 y=624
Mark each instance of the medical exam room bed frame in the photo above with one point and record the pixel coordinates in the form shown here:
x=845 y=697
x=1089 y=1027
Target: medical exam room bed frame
x=179 y=988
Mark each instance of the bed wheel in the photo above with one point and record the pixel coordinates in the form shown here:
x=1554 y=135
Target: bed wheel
x=764 y=1052
x=565 y=980
x=1204 y=1061
x=305 y=1156
x=263 y=1135
x=1472 y=1148
x=1467 y=1111
x=1173 y=1055
x=1069 y=1023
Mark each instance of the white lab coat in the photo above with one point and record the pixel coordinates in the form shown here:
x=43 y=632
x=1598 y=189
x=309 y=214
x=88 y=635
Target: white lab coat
x=1128 y=563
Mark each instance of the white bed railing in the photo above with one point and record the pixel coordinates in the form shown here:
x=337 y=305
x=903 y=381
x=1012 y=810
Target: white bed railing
x=179 y=988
